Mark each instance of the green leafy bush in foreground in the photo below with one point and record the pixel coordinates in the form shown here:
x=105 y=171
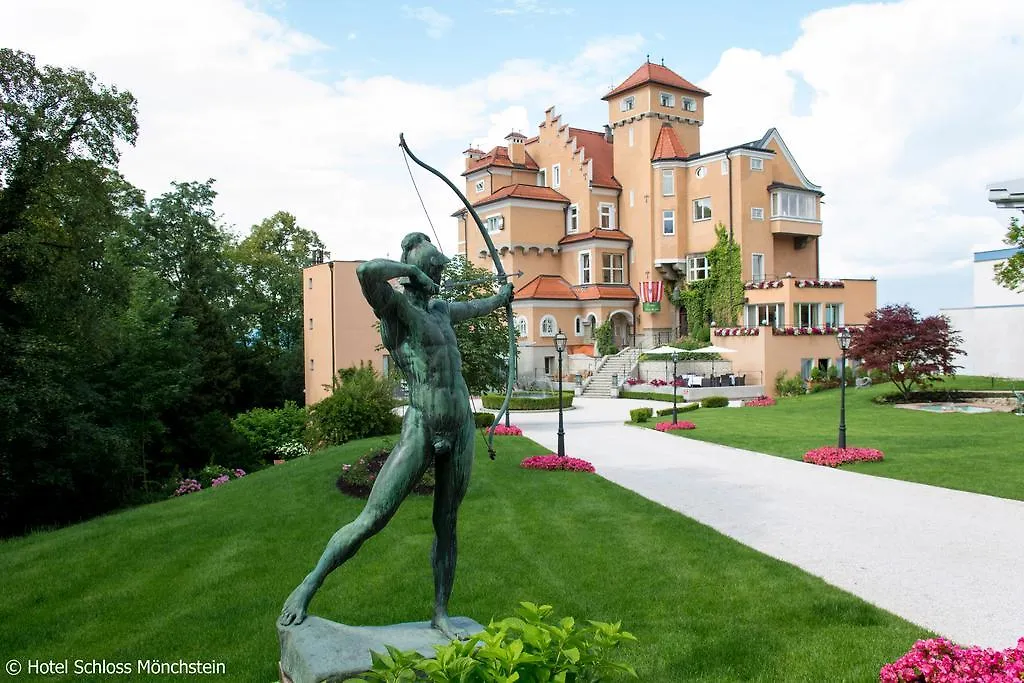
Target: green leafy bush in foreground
x=265 y=430
x=360 y=406
x=530 y=647
x=679 y=409
x=715 y=402
x=640 y=414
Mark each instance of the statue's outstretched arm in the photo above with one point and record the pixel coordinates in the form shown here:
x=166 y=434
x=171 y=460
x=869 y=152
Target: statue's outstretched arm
x=464 y=310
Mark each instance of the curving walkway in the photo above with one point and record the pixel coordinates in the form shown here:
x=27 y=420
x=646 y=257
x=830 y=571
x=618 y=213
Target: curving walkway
x=947 y=560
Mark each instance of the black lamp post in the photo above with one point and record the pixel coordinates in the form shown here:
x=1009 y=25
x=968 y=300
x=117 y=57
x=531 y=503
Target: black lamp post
x=560 y=342
x=844 y=337
x=675 y=358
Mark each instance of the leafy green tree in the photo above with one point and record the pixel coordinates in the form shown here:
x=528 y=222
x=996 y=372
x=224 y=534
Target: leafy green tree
x=1010 y=274
x=483 y=342
x=62 y=438
x=267 y=312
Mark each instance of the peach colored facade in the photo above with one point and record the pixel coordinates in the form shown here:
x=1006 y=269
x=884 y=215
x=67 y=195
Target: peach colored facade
x=588 y=216
x=338 y=328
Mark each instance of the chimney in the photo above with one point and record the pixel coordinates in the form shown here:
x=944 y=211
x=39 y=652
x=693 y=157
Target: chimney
x=608 y=136
x=472 y=155
x=516 y=147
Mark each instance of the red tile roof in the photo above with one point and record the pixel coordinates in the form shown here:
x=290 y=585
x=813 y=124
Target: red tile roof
x=600 y=150
x=521 y=191
x=546 y=287
x=596 y=233
x=591 y=292
x=668 y=145
x=555 y=287
x=655 y=73
x=499 y=157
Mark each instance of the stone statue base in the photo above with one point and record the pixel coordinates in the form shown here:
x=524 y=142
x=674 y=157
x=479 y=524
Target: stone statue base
x=319 y=650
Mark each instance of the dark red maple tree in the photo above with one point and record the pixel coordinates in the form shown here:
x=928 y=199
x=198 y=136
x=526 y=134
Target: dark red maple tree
x=907 y=349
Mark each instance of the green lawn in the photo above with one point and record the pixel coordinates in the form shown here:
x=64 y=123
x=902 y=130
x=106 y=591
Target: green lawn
x=204 y=576
x=983 y=453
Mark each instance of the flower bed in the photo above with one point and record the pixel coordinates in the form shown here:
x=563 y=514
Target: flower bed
x=830 y=456
x=820 y=283
x=763 y=284
x=673 y=426
x=554 y=462
x=935 y=660
x=212 y=475
x=357 y=479
x=633 y=381
x=759 y=402
x=797 y=331
x=511 y=430
x=736 y=331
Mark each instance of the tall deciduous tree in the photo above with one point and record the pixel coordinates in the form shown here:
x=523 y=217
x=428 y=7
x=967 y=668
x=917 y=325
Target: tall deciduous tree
x=907 y=349
x=267 y=312
x=1010 y=274
x=484 y=341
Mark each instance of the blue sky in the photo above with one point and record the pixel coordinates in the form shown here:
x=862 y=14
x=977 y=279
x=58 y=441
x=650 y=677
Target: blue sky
x=901 y=111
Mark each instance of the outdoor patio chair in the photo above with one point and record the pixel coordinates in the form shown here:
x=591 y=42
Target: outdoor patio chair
x=741 y=380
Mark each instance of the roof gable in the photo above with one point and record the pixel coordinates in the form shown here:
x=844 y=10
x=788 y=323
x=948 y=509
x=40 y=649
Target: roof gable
x=773 y=136
x=498 y=156
x=655 y=73
x=668 y=145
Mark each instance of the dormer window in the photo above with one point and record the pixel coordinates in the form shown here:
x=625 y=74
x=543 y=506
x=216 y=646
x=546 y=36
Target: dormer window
x=479 y=187
x=689 y=104
x=668 y=99
x=628 y=103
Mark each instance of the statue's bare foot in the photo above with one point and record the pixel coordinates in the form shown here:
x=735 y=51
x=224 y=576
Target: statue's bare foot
x=294 y=610
x=444 y=625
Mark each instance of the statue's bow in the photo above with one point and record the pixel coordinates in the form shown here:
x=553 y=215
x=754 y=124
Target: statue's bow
x=512 y=336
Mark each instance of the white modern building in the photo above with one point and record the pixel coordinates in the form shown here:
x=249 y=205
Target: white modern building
x=993 y=328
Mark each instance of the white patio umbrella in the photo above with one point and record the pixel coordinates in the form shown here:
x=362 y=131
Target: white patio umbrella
x=713 y=349
x=667 y=350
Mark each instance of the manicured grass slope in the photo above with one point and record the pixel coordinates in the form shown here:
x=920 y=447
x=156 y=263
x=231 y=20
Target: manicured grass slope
x=982 y=453
x=204 y=577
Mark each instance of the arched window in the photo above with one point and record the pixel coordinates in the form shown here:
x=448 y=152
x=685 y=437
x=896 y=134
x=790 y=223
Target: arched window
x=521 y=329
x=579 y=326
x=548 y=326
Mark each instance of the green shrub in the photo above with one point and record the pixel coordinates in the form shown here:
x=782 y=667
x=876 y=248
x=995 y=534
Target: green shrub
x=816 y=375
x=833 y=373
x=357 y=478
x=689 y=407
x=531 y=646
x=605 y=344
x=360 y=406
x=265 y=430
x=715 y=402
x=483 y=420
x=646 y=395
x=640 y=414
x=494 y=401
x=788 y=386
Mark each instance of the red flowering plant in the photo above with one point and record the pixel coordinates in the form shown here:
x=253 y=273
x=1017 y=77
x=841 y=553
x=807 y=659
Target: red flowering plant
x=760 y=402
x=673 y=426
x=820 y=283
x=763 y=284
x=511 y=430
x=736 y=331
x=633 y=381
x=658 y=383
x=791 y=331
x=939 y=660
x=554 y=462
x=830 y=456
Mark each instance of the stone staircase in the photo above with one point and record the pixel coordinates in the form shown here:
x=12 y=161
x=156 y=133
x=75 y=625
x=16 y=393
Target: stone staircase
x=600 y=384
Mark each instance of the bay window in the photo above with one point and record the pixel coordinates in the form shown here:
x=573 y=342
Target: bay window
x=789 y=204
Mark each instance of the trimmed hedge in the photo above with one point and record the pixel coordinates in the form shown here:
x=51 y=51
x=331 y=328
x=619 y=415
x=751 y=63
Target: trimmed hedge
x=494 y=401
x=690 y=407
x=646 y=395
x=483 y=420
x=938 y=396
x=715 y=402
x=640 y=414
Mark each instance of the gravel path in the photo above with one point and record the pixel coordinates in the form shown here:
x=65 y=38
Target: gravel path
x=950 y=561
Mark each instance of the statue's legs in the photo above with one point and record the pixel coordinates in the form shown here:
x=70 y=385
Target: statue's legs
x=452 y=472
x=403 y=469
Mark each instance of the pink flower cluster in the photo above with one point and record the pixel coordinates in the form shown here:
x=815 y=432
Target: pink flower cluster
x=553 y=462
x=763 y=284
x=830 y=456
x=808 y=330
x=820 y=283
x=760 y=402
x=736 y=331
x=221 y=480
x=672 y=426
x=633 y=381
x=941 y=661
x=657 y=383
x=187 y=486
x=511 y=430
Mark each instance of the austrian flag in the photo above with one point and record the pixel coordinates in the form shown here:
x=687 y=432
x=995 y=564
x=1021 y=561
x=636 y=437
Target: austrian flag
x=651 y=292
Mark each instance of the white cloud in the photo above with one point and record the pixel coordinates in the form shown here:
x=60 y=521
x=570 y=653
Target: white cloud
x=437 y=23
x=530 y=7
x=913 y=109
